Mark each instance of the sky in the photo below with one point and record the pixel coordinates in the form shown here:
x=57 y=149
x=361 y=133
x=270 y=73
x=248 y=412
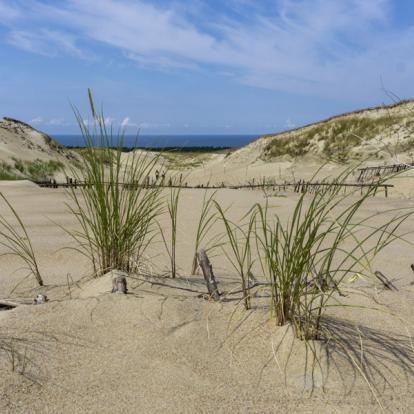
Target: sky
x=202 y=66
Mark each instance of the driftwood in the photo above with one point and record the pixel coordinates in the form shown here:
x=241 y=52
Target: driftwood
x=119 y=285
x=252 y=286
x=8 y=304
x=208 y=274
x=412 y=268
x=385 y=281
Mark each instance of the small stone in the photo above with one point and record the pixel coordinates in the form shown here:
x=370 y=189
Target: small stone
x=40 y=299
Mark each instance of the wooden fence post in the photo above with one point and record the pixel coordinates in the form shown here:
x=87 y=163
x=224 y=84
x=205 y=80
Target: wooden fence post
x=208 y=274
x=385 y=281
x=119 y=284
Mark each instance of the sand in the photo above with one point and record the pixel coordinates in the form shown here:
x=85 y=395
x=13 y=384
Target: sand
x=163 y=348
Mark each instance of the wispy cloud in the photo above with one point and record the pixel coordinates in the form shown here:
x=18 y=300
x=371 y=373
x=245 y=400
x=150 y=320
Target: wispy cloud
x=329 y=48
x=7 y=11
x=57 y=122
x=164 y=63
x=36 y=120
x=127 y=123
x=53 y=122
x=47 y=43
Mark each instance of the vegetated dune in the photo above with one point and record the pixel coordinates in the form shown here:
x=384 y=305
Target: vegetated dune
x=27 y=152
x=375 y=132
x=164 y=348
x=376 y=136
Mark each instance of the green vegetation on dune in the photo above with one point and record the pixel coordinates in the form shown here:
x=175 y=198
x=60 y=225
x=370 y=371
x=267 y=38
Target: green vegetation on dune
x=6 y=172
x=178 y=158
x=335 y=138
x=117 y=213
x=185 y=160
x=52 y=143
x=37 y=170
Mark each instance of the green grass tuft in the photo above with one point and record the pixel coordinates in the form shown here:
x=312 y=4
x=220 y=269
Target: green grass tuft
x=6 y=172
x=17 y=242
x=116 y=212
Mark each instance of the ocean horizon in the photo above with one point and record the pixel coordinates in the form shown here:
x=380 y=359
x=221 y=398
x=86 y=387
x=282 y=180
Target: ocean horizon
x=162 y=141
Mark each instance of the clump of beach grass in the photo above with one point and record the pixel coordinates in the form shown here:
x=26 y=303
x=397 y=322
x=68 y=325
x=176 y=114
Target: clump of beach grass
x=17 y=242
x=116 y=211
x=240 y=239
x=208 y=217
x=323 y=242
x=6 y=172
x=38 y=170
x=172 y=208
x=306 y=259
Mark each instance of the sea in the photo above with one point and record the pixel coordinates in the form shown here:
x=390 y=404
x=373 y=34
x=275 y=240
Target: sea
x=165 y=141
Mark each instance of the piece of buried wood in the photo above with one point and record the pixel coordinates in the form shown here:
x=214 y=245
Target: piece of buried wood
x=412 y=268
x=119 y=283
x=208 y=274
x=385 y=281
x=8 y=304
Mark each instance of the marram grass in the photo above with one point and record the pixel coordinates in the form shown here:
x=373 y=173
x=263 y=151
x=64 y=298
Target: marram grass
x=115 y=208
x=240 y=239
x=208 y=217
x=17 y=242
x=172 y=208
x=306 y=259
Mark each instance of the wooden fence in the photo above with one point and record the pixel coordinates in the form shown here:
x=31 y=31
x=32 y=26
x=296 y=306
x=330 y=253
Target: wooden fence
x=369 y=173
x=300 y=186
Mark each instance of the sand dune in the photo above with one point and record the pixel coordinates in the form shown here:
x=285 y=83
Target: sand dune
x=163 y=347
x=21 y=143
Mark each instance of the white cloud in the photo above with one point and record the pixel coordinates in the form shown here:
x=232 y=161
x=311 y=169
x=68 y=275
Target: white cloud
x=151 y=125
x=37 y=120
x=290 y=124
x=50 y=122
x=8 y=12
x=161 y=62
x=336 y=48
x=109 y=121
x=46 y=42
x=145 y=125
x=57 y=122
x=125 y=122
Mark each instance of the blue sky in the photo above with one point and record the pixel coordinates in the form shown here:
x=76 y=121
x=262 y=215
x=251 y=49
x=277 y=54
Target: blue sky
x=202 y=66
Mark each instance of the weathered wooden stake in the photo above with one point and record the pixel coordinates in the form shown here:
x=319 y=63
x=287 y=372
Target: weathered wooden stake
x=208 y=274
x=385 y=281
x=119 y=285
